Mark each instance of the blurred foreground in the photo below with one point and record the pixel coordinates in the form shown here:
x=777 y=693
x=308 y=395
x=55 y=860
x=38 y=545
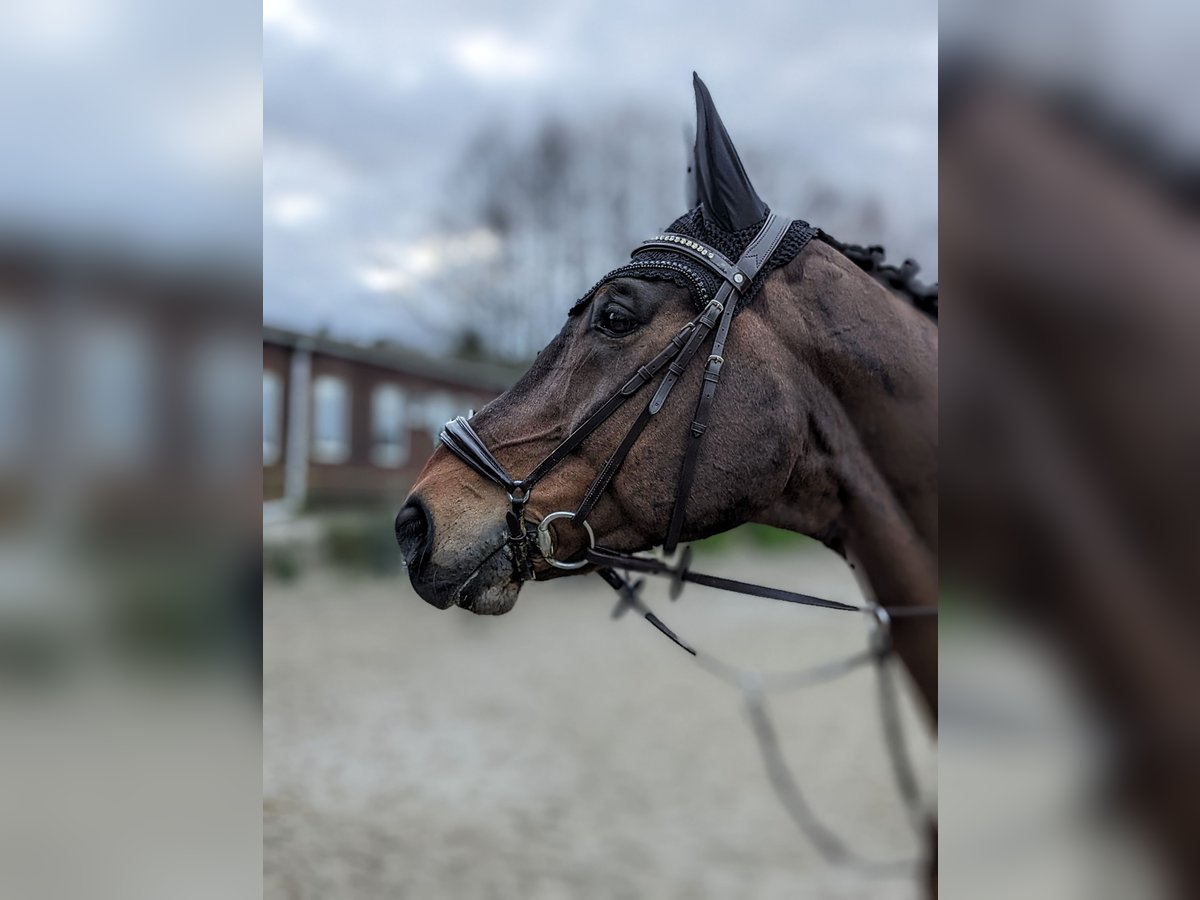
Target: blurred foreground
x=129 y=579
x=130 y=294
x=1069 y=438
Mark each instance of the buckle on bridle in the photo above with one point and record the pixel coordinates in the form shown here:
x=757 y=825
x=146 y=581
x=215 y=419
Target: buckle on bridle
x=518 y=496
x=545 y=540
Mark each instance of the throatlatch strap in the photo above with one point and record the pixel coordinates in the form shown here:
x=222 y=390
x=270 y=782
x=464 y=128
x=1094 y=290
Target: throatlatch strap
x=756 y=255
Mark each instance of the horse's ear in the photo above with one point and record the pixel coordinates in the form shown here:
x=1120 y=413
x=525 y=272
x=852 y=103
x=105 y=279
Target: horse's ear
x=721 y=185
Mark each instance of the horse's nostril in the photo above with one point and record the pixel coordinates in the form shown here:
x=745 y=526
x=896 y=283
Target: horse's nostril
x=412 y=531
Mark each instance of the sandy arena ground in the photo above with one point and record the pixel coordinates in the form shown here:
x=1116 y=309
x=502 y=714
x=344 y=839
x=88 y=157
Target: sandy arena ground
x=554 y=753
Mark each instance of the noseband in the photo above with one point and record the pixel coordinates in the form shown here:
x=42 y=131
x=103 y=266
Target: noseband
x=526 y=539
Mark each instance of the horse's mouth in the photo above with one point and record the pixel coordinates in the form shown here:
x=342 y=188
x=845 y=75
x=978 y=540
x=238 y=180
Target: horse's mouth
x=494 y=602
x=492 y=599
x=491 y=588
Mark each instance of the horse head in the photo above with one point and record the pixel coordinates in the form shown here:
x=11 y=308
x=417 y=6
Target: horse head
x=824 y=422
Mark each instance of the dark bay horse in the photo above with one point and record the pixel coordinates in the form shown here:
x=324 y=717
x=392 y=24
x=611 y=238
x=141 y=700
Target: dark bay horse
x=825 y=423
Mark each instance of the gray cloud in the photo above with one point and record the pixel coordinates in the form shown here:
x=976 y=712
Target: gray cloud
x=368 y=108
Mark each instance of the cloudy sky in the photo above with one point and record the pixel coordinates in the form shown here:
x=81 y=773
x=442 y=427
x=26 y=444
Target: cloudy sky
x=368 y=106
x=132 y=122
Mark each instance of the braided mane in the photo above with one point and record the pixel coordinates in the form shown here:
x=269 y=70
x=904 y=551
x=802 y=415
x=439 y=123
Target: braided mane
x=901 y=279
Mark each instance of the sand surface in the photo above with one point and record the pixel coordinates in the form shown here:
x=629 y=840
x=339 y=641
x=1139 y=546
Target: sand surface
x=554 y=753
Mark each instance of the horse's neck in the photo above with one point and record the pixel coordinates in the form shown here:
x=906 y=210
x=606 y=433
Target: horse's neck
x=871 y=363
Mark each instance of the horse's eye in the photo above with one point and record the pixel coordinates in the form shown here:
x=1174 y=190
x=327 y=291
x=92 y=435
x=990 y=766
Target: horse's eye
x=615 y=321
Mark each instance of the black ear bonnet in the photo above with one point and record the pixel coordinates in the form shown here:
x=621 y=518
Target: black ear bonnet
x=728 y=216
x=662 y=265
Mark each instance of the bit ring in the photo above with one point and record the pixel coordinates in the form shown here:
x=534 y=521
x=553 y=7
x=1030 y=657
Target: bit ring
x=545 y=540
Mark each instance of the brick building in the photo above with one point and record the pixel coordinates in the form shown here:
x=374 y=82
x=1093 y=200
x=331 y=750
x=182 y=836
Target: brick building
x=345 y=424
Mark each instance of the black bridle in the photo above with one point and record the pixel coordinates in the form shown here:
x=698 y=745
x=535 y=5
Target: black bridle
x=528 y=540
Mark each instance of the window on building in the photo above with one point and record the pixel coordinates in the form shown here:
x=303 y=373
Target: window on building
x=389 y=426
x=331 y=419
x=272 y=426
x=219 y=412
x=17 y=382
x=118 y=376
